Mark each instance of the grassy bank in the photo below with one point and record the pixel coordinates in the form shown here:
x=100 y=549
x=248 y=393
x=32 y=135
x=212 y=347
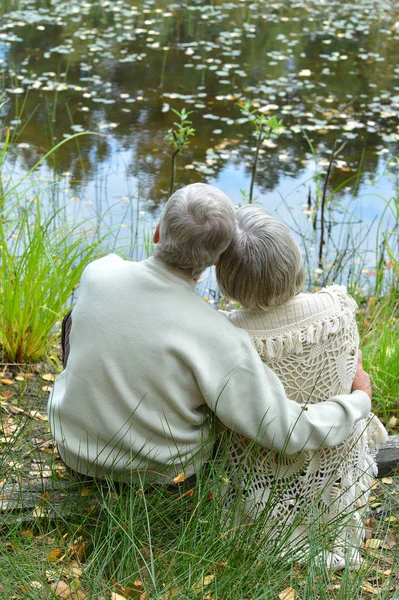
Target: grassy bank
x=103 y=542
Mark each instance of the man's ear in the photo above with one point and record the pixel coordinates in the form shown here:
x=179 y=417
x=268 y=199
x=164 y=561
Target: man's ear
x=156 y=234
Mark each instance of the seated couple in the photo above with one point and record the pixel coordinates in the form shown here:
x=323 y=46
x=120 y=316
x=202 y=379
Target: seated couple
x=150 y=361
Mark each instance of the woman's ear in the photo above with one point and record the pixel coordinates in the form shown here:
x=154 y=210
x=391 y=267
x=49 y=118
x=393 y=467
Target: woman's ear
x=156 y=234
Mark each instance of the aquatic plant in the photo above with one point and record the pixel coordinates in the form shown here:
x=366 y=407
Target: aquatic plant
x=178 y=137
x=264 y=127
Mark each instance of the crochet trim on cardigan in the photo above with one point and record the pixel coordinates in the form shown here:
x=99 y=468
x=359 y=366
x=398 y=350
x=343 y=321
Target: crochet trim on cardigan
x=282 y=343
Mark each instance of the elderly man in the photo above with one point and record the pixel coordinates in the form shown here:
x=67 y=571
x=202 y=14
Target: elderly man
x=150 y=360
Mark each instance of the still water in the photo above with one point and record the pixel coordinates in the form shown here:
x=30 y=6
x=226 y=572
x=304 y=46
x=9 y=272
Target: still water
x=118 y=67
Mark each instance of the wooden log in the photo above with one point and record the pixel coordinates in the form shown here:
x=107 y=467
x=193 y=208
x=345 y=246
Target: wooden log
x=388 y=457
x=26 y=501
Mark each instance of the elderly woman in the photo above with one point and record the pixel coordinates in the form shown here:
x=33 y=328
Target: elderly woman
x=311 y=342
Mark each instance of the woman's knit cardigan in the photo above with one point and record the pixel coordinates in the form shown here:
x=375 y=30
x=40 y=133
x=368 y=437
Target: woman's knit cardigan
x=311 y=343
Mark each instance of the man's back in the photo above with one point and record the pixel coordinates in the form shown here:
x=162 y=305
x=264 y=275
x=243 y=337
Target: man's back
x=145 y=350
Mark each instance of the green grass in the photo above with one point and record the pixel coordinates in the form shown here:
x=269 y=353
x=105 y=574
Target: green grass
x=41 y=262
x=143 y=540
x=40 y=267
x=379 y=330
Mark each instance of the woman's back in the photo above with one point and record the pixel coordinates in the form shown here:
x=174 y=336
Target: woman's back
x=311 y=342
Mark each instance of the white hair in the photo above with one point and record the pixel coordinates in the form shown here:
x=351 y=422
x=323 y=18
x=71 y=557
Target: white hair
x=262 y=266
x=196 y=226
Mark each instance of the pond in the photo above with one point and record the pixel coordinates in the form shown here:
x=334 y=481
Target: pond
x=328 y=70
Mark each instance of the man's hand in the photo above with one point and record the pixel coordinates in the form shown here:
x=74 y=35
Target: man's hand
x=362 y=379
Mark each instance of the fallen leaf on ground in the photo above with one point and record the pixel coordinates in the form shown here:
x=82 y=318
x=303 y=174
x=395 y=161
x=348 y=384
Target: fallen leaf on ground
x=373 y=543
x=367 y=587
x=179 y=478
x=73 y=570
x=48 y=377
x=115 y=596
x=389 y=541
x=63 y=590
x=54 y=555
x=387 y=480
x=288 y=594
x=7 y=381
x=36 y=584
x=37 y=415
x=39 y=512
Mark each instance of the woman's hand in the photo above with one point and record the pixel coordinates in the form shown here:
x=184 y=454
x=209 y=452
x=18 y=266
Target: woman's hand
x=362 y=379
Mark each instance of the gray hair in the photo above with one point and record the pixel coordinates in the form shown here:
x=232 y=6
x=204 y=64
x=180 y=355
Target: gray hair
x=262 y=266
x=196 y=226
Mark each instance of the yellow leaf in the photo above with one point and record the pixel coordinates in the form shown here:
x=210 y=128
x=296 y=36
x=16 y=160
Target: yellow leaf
x=137 y=583
x=86 y=492
x=36 y=584
x=47 y=388
x=39 y=512
x=48 y=377
x=54 y=555
x=367 y=587
x=287 y=594
x=37 y=415
x=63 y=590
x=7 y=381
x=179 y=478
x=26 y=533
x=115 y=596
x=19 y=378
x=387 y=480
x=208 y=579
x=373 y=543
x=75 y=569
